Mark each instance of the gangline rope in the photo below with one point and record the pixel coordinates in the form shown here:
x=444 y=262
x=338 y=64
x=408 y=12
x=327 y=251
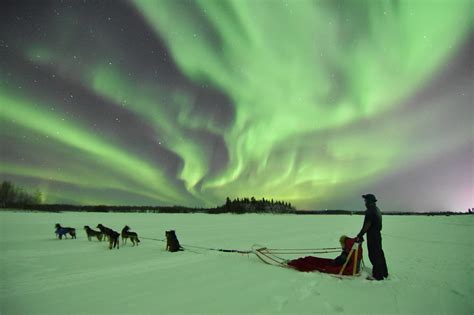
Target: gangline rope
x=279 y=251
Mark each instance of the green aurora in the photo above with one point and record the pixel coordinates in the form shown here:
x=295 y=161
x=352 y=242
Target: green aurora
x=177 y=102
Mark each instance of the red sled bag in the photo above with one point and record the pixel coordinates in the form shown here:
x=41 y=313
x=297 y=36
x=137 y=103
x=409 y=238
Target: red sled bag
x=350 y=267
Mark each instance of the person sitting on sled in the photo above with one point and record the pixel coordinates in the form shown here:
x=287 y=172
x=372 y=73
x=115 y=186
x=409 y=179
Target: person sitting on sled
x=341 y=259
x=339 y=265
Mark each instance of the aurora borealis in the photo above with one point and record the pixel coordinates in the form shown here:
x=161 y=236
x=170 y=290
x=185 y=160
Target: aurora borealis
x=188 y=102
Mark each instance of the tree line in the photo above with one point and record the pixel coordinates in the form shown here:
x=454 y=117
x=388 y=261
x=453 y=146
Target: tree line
x=16 y=197
x=362 y=212
x=13 y=196
x=237 y=206
x=252 y=205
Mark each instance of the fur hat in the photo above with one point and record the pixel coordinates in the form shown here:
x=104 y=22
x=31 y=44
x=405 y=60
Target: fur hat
x=369 y=197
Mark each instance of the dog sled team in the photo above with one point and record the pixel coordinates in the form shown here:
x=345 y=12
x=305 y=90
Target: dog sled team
x=102 y=234
x=348 y=263
x=172 y=243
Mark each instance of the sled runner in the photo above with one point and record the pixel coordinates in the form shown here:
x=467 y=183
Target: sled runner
x=350 y=267
x=265 y=255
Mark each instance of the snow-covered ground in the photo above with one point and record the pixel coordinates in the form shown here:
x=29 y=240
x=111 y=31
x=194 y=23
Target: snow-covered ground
x=430 y=260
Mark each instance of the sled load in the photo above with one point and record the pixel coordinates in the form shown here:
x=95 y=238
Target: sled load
x=349 y=265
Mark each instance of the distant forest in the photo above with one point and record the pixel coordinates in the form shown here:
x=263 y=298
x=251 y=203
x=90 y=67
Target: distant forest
x=12 y=196
x=246 y=205
x=237 y=207
x=15 y=197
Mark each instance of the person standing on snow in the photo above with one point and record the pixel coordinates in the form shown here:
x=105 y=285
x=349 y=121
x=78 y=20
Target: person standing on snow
x=372 y=226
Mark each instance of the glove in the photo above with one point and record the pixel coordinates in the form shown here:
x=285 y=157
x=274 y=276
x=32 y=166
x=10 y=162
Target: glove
x=359 y=239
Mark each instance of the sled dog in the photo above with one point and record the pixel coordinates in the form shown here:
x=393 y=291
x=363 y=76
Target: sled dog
x=104 y=230
x=126 y=233
x=114 y=238
x=63 y=231
x=93 y=233
x=172 y=243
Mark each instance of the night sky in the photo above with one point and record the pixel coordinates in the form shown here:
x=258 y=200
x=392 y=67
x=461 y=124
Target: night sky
x=188 y=102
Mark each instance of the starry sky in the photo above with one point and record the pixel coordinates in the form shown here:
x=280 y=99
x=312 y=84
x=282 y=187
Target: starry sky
x=187 y=102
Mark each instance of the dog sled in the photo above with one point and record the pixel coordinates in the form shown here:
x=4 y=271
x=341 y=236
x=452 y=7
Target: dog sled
x=348 y=266
x=351 y=267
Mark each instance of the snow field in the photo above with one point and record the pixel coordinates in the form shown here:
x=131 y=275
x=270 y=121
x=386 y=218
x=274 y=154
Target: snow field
x=430 y=260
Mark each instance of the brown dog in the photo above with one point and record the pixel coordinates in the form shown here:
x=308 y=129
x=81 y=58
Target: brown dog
x=126 y=233
x=114 y=239
x=104 y=230
x=93 y=233
x=111 y=235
